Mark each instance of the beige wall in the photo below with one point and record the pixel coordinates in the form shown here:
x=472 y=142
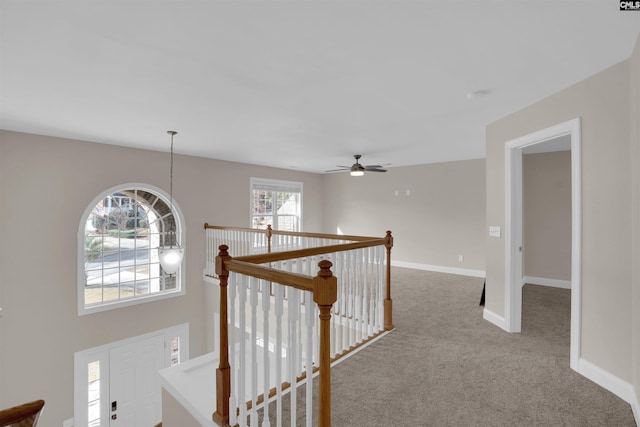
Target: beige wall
x=602 y=102
x=441 y=218
x=46 y=184
x=635 y=168
x=546 y=192
x=174 y=414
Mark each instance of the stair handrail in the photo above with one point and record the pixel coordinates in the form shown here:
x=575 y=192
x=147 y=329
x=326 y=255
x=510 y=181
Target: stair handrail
x=248 y=265
x=324 y=287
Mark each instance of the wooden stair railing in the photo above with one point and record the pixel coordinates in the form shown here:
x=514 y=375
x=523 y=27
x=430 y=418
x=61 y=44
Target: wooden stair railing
x=25 y=415
x=323 y=287
x=240 y=233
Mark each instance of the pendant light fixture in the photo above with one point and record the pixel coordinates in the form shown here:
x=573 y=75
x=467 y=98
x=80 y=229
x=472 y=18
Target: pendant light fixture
x=171 y=255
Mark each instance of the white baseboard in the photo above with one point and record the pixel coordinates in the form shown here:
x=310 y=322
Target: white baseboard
x=490 y=316
x=615 y=385
x=440 y=269
x=555 y=283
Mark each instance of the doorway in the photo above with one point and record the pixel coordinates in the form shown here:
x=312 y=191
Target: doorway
x=514 y=226
x=118 y=385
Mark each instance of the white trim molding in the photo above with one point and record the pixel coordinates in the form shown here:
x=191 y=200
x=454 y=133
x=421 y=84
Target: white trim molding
x=542 y=281
x=440 y=269
x=615 y=385
x=497 y=320
x=513 y=229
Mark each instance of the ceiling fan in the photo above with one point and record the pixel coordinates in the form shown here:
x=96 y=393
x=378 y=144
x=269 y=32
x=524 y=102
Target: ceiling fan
x=358 y=169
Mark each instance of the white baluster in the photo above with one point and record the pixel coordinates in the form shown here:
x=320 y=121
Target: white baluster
x=372 y=292
x=365 y=295
x=357 y=296
x=242 y=364
x=233 y=356
x=336 y=319
x=293 y=345
x=254 y=351
x=379 y=285
x=266 y=308
x=309 y=307
x=279 y=310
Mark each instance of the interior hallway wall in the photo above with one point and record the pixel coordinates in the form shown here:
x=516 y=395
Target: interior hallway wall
x=436 y=211
x=45 y=185
x=634 y=116
x=602 y=103
x=546 y=182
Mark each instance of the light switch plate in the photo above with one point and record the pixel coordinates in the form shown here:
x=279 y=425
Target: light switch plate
x=494 y=231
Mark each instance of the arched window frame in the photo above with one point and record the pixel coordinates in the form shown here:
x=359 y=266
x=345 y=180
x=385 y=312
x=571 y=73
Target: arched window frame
x=179 y=234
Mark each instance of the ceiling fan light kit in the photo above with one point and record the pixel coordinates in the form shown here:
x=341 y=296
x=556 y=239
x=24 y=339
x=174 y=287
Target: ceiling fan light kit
x=358 y=169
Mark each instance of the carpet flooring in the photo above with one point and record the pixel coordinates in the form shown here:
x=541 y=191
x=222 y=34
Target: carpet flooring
x=444 y=365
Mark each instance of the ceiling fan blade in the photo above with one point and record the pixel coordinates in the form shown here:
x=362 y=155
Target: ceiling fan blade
x=358 y=168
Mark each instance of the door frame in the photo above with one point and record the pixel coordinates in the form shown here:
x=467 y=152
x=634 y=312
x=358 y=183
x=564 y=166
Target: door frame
x=513 y=228
x=101 y=354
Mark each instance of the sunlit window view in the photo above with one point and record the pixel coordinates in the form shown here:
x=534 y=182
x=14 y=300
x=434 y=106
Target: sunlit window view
x=276 y=203
x=93 y=369
x=121 y=239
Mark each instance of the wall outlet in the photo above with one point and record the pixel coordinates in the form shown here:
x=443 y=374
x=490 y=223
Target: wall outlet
x=460 y=258
x=68 y=423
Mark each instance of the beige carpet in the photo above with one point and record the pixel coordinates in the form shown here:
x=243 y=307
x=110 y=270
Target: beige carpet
x=446 y=366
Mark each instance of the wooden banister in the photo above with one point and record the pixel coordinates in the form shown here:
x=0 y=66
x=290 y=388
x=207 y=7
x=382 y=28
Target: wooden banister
x=325 y=293
x=27 y=411
x=269 y=232
x=388 y=303
x=223 y=373
x=323 y=287
x=301 y=253
x=295 y=280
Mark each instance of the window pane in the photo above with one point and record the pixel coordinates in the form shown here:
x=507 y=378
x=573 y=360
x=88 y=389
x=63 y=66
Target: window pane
x=262 y=221
x=141 y=287
x=262 y=202
x=127 y=289
x=287 y=223
x=93 y=370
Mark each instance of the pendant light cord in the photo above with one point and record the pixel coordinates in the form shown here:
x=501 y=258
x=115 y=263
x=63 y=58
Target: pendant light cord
x=172 y=133
x=171 y=176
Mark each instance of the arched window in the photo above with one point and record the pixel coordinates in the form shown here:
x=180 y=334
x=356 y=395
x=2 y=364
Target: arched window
x=119 y=237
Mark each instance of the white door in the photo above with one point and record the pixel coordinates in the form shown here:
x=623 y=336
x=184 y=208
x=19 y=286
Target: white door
x=134 y=384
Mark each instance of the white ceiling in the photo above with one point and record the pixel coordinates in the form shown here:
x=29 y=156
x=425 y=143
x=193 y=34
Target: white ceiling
x=296 y=84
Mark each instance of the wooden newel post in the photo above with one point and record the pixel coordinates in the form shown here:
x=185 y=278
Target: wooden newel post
x=325 y=293
x=388 y=303
x=223 y=373
x=269 y=233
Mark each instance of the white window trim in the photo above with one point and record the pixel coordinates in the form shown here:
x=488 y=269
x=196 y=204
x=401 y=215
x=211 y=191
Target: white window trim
x=282 y=185
x=181 y=275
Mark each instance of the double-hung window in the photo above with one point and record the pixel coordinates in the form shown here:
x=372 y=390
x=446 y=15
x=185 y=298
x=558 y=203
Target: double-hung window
x=276 y=203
